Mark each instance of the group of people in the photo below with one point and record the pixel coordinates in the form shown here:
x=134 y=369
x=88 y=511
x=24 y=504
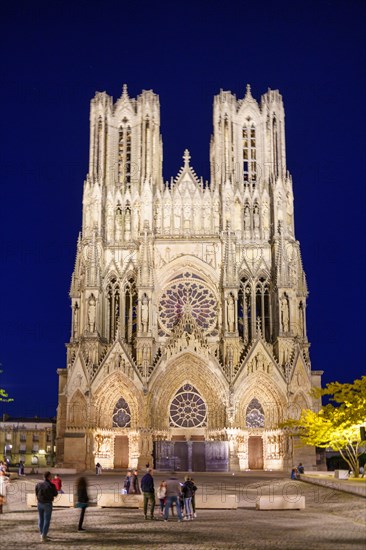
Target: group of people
x=131 y=483
x=297 y=470
x=170 y=492
x=47 y=490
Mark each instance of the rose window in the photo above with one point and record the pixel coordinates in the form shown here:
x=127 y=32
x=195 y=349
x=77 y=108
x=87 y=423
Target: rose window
x=188 y=410
x=121 y=414
x=188 y=295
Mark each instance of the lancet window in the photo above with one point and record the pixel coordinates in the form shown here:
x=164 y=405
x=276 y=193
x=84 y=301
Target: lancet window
x=254 y=309
x=249 y=153
x=121 y=414
x=245 y=310
x=113 y=308
x=275 y=146
x=124 y=154
x=98 y=159
x=263 y=307
x=130 y=310
x=254 y=417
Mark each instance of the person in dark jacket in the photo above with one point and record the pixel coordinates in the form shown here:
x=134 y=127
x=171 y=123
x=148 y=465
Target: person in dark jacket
x=188 y=492
x=135 y=487
x=147 y=487
x=82 y=499
x=45 y=493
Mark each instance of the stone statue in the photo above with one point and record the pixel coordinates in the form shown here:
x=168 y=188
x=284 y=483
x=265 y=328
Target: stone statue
x=91 y=314
x=145 y=313
x=118 y=226
x=256 y=217
x=75 y=329
x=231 y=313
x=246 y=218
x=285 y=314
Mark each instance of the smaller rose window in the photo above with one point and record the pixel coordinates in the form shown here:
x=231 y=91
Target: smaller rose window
x=188 y=410
x=121 y=414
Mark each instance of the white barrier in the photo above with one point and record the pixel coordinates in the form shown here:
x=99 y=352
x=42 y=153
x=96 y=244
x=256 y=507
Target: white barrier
x=280 y=502
x=63 y=500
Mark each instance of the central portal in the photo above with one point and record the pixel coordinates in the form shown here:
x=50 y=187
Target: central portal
x=191 y=456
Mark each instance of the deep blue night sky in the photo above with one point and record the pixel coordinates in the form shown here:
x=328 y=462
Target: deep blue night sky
x=55 y=55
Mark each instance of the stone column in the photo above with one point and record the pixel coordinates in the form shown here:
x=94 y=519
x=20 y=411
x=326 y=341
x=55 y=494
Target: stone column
x=189 y=446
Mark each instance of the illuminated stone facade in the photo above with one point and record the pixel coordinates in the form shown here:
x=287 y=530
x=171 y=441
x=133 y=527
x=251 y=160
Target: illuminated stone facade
x=188 y=334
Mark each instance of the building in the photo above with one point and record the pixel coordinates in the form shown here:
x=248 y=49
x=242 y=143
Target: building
x=29 y=440
x=188 y=342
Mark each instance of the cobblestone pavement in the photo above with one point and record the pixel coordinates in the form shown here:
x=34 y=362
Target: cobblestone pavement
x=331 y=520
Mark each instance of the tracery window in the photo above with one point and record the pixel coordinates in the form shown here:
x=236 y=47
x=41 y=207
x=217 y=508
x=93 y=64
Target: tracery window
x=263 y=312
x=254 y=417
x=113 y=308
x=121 y=414
x=249 y=153
x=188 y=410
x=254 y=309
x=188 y=295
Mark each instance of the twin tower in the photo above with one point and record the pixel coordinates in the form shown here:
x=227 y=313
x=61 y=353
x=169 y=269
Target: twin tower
x=188 y=343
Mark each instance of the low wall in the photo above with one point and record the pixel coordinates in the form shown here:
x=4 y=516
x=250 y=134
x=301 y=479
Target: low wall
x=65 y=500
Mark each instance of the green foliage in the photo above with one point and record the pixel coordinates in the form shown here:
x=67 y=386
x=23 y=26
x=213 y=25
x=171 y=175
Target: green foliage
x=4 y=397
x=337 y=426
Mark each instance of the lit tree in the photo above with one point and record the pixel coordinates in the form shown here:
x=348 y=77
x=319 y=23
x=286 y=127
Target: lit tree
x=337 y=426
x=4 y=398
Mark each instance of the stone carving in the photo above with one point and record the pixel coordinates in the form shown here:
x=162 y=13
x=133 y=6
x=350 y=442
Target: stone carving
x=91 y=313
x=285 y=319
x=145 y=313
x=231 y=313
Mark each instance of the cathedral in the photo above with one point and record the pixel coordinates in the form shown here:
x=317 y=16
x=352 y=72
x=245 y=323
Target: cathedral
x=188 y=345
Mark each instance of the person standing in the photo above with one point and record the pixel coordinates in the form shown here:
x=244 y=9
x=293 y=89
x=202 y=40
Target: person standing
x=188 y=492
x=172 y=495
x=82 y=499
x=147 y=487
x=45 y=493
x=161 y=494
x=135 y=487
x=57 y=483
x=21 y=468
x=98 y=469
x=4 y=483
x=127 y=483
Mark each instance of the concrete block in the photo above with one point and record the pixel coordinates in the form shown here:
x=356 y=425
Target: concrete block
x=65 y=500
x=216 y=502
x=341 y=474
x=115 y=500
x=280 y=502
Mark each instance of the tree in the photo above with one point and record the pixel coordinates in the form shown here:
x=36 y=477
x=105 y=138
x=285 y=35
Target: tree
x=337 y=426
x=4 y=398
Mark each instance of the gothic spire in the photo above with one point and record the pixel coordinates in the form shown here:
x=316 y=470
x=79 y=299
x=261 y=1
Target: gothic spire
x=229 y=258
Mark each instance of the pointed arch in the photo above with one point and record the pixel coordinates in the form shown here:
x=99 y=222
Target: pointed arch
x=77 y=410
x=108 y=402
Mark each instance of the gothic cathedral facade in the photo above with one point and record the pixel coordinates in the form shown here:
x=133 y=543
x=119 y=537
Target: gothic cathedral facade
x=188 y=342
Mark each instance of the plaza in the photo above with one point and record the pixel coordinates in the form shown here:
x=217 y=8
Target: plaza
x=331 y=518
